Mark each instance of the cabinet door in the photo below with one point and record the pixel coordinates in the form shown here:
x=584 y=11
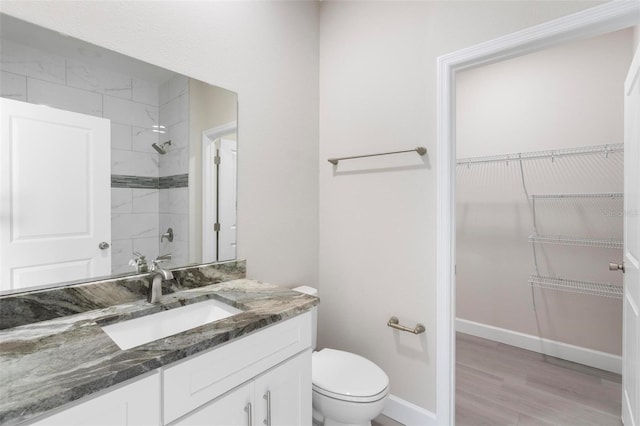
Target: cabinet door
x=283 y=394
x=288 y=387
x=235 y=408
x=135 y=404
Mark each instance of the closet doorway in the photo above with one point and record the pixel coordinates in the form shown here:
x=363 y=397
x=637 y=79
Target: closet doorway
x=591 y=22
x=539 y=214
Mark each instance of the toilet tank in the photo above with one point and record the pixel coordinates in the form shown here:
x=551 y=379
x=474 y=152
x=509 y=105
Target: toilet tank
x=314 y=313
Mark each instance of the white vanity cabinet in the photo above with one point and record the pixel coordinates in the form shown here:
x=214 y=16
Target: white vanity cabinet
x=276 y=359
x=136 y=403
x=281 y=396
x=270 y=369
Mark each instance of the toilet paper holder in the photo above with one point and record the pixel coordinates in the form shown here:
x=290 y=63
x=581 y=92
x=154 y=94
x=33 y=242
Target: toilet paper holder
x=394 y=322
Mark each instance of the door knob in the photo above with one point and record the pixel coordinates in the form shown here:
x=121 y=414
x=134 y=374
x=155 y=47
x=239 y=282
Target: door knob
x=103 y=245
x=616 y=267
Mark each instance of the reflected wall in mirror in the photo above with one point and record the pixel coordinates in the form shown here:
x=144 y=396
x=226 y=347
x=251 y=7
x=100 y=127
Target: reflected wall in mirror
x=141 y=193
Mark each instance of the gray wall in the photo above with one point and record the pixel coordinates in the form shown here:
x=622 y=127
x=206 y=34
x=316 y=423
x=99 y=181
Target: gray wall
x=378 y=221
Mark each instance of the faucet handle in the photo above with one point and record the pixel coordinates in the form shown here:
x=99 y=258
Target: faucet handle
x=140 y=262
x=155 y=264
x=139 y=256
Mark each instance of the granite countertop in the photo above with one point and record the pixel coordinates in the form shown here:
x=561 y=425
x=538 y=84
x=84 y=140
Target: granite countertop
x=46 y=364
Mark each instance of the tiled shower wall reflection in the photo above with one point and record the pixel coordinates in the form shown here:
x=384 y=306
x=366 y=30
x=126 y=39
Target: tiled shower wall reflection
x=174 y=168
x=140 y=208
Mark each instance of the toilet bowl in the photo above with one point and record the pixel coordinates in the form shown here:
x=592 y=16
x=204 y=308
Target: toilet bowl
x=348 y=389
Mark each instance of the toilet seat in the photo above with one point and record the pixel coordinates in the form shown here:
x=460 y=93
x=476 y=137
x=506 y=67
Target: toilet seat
x=349 y=398
x=348 y=377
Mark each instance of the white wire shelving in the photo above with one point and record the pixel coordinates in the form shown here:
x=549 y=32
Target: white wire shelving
x=577 y=286
x=577 y=242
x=537 y=280
x=576 y=196
x=551 y=154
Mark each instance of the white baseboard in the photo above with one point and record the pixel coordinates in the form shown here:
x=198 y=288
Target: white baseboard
x=407 y=413
x=590 y=357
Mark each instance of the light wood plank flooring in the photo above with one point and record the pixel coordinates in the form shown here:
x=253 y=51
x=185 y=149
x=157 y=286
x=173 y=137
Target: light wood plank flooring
x=498 y=384
x=383 y=420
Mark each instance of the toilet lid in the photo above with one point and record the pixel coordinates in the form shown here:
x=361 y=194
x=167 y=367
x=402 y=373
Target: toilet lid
x=337 y=373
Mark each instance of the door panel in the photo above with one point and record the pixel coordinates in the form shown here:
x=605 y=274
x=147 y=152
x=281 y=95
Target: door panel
x=54 y=272
x=631 y=311
x=135 y=404
x=44 y=237
x=233 y=409
x=58 y=155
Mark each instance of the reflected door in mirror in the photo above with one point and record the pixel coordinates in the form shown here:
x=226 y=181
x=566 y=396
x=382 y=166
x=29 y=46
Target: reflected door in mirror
x=55 y=202
x=227 y=189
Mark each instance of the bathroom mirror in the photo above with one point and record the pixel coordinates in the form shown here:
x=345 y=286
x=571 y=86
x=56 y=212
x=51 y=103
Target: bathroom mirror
x=166 y=164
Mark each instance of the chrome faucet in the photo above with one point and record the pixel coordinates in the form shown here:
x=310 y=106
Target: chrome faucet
x=158 y=275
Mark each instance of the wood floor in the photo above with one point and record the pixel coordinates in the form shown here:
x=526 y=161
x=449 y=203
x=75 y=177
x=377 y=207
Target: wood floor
x=383 y=420
x=497 y=384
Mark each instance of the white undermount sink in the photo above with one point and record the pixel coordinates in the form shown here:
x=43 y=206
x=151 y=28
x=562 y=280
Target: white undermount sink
x=136 y=332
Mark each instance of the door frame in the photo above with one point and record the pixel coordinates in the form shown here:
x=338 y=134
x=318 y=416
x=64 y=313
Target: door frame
x=209 y=203
x=592 y=22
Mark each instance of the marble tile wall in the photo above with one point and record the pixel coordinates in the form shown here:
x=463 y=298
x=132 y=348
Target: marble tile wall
x=174 y=201
x=133 y=106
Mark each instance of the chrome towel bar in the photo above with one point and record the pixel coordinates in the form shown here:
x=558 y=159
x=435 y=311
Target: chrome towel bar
x=421 y=150
x=395 y=323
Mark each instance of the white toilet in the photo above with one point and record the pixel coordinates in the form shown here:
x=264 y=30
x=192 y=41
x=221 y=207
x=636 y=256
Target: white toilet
x=348 y=390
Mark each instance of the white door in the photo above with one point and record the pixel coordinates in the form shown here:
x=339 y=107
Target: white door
x=55 y=199
x=631 y=307
x=227 y=188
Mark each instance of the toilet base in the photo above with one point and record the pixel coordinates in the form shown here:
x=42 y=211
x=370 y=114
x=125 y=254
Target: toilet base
x=336 y=412
x=318 y=419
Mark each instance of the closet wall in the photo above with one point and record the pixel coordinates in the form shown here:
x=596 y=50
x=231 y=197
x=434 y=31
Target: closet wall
x=565 y=97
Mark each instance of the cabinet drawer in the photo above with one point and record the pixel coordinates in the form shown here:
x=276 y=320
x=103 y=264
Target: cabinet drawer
x=137 y=403
x=204 y=377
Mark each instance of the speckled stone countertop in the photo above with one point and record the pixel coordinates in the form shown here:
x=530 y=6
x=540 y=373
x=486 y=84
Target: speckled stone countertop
x=46 y=364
